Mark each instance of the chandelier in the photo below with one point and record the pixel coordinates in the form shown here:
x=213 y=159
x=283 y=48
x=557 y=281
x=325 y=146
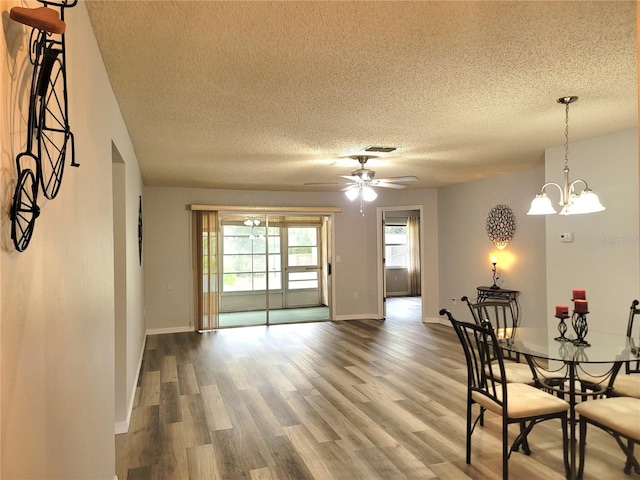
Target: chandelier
x=572 y=203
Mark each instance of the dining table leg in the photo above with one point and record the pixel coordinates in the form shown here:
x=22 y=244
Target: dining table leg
x=572 y=421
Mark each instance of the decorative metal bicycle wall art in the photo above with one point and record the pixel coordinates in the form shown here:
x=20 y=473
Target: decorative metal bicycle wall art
x=41 y=165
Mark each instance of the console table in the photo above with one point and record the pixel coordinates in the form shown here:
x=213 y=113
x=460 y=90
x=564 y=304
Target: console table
x=511 y=296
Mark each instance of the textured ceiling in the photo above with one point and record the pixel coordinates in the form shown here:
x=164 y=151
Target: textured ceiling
x=273 y=95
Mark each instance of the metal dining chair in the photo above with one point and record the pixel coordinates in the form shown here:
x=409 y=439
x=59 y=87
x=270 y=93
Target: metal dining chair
x=627 y=383
x=516 y=403
x=500 y=315
x=620 y=418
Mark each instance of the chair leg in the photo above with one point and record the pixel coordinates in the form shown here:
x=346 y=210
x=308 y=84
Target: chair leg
x=627 y=465
x=631 y=462
x=521 y=439
x=581 y=446
x=505 y=449
x=469 y=414
x=524 y=431
x=565 y=445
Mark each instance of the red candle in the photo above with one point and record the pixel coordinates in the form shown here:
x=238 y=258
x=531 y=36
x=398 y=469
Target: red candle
x=579 y=294
x=562 y=311
x=581 y=306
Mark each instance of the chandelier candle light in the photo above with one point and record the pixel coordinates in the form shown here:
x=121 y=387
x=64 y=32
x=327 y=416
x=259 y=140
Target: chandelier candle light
x=571 y=202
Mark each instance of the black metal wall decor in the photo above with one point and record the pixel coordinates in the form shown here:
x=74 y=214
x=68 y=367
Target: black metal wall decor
x=501 y=225
x=140 y=229
x=41 y=165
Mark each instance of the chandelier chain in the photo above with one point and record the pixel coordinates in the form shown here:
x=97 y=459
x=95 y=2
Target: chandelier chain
x=566 y=136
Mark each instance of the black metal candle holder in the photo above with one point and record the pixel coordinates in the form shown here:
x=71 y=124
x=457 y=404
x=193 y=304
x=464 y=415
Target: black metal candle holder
x=494 y=270
x=580 y=326
x=562 y=328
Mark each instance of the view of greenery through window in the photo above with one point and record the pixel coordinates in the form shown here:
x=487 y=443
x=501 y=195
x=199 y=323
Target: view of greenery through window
x=395 y=246
x=302 y=246
x=245 y=262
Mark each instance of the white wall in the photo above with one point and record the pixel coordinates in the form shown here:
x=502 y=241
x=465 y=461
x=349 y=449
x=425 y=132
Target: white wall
x=457 y=256
x=604 y=257
x=57 y=308
x=465 y=248
x=168 y=259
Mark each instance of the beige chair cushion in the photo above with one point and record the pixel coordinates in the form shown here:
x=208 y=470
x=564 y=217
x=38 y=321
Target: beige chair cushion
x=621 y=414
x=523 y=401
x=515 y=372
x=627 y=385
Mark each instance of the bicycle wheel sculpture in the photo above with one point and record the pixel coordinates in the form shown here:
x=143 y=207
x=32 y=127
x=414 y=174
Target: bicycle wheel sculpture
x=52 y=129
x=24 y=209
x=41 y=165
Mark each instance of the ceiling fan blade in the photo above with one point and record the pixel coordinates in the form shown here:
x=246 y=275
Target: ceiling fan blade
x=349 y=177
x=397 y=186
x=335 y=184
x=409 y=178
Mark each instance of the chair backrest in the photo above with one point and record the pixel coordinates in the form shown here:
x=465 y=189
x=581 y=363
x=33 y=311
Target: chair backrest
x=634 y=313
x=484 y=359
x=499 y=313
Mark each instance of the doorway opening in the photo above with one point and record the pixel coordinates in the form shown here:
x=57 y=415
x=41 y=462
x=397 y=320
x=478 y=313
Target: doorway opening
x=400 y=252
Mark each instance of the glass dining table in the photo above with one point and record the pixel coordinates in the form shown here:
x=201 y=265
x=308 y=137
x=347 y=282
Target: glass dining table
x=575 y=372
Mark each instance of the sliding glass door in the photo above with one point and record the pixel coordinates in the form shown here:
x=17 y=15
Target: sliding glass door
x=244 y=273
x=271 y=269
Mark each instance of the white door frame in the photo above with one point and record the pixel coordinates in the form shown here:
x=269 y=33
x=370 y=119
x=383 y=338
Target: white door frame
x=380 y=211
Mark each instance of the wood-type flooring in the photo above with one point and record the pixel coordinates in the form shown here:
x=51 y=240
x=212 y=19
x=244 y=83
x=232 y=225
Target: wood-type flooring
x=333 y=400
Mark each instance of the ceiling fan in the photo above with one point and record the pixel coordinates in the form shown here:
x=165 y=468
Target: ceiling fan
x=364 y=176
x=363 y=179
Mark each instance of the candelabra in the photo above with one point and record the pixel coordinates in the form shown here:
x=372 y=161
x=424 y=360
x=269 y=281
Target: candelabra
x=562 y=327
x=494 y=270
x=580 y=326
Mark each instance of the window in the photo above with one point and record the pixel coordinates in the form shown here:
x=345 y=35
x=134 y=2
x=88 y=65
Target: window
x=244 y=258
x=395 y=247
x=302 y=256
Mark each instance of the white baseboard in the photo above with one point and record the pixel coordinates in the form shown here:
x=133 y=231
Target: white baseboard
x=441 y=321
x=373 y=316
x=359 y=316
x=122 y=427
x=160 y=331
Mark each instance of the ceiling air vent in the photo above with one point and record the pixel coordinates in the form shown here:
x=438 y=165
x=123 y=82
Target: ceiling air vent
x=373 y=148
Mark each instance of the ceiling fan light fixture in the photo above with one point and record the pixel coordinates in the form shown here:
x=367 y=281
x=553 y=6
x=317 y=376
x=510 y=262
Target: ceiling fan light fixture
x=352 y=193
x=368 y=194
x=364 y=179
